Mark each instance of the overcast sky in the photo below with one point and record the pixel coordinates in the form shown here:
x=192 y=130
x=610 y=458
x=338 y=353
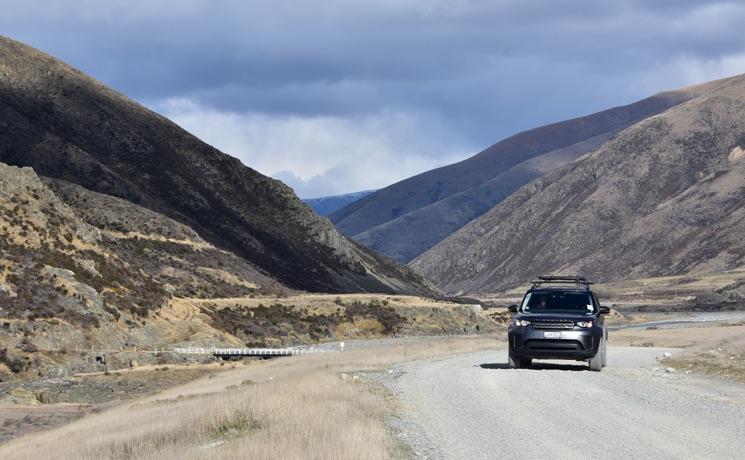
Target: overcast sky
x=335 y=96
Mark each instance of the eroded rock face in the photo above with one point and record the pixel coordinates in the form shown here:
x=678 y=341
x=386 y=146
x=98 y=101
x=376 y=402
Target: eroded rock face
x=664 y=197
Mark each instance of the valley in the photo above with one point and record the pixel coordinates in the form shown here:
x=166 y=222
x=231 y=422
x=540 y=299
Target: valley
x=127 y=242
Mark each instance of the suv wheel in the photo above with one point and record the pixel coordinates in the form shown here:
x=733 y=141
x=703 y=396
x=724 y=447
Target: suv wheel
x=605 y=353
x=518 y=363
x=596 y=362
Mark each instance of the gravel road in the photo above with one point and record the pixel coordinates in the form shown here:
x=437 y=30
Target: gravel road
x=472 y=406
x=687 y=319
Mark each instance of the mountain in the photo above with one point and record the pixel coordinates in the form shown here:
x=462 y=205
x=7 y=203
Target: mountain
x=103 y=281
x=663 y=197
x=407 y=218
x=90 y=258
x=85 y=271
x=325 y=205
x=69 y=127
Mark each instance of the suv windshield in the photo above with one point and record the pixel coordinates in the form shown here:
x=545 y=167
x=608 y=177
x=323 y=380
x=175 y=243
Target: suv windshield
x=574 y=302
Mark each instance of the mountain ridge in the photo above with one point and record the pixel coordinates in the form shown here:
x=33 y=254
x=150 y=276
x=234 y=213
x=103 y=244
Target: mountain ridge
x=663 y=197
x=68 y=126
x=413 y=210
x=325 y=205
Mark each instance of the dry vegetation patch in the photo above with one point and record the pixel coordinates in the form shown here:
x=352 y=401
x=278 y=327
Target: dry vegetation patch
x=311 y=318
x=705 y=291
x=315 y=407
x=722 y=355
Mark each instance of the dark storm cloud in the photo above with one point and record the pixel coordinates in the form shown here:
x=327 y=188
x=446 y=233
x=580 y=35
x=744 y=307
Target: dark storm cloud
x=270 y=50
x=485 y=69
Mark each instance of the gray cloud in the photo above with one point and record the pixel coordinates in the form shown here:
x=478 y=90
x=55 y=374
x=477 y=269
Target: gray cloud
x=465 y=73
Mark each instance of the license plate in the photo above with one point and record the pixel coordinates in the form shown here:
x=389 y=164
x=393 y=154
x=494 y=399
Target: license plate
x=552 y=335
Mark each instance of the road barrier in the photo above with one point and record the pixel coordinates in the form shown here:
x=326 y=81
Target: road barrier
x=231 y=352
x=215 y=351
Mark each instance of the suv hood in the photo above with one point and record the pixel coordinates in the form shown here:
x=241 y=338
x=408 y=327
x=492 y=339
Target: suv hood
x=555 y=316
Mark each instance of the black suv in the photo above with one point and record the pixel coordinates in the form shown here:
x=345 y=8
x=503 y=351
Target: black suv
x=559 y=318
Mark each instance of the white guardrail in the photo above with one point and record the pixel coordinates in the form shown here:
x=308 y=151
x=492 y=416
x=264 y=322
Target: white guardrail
x=218 y=351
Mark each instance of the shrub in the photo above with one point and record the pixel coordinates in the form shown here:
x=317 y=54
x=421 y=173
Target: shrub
x=27 y=346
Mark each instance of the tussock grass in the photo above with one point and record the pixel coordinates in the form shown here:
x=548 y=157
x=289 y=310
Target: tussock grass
x=729 y=367
x=291 y=409
x=723 y=358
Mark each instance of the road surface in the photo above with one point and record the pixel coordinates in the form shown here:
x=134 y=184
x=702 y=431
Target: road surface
x=474 y=407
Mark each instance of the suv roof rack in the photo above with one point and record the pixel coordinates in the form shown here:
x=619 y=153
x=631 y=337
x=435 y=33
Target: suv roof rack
x=561 y=279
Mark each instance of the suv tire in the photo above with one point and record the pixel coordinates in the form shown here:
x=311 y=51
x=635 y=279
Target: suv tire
x=596 y=362
x=518 y=363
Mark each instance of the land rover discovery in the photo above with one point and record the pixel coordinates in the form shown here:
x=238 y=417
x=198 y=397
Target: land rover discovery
x=559 y=318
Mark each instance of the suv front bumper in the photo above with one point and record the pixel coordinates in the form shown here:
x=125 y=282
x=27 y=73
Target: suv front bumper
x=526 y=342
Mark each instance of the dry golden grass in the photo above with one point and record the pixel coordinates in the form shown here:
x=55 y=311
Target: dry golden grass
x=657 y=291
x=187 y=319
x=697 y=338
x=728 y=363
x=713 y=350
x=722 y=354
x=146 y=236
x=325 y=303
x=292 y=408
x=228 y=277
x=180 y=320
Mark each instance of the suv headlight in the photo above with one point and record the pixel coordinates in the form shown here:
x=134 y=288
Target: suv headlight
x=520 y=322
x=584 y=323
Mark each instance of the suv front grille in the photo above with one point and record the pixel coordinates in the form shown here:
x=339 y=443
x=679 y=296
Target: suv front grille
x=552 y=324
x=554 y=345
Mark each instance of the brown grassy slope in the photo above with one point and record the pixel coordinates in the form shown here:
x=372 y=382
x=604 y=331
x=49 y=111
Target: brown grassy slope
x=85 y=271
x=719 y=291
x=172 y=253
x=405 y=237
x=98 y=281
x=662 y=198
x=56 y=265
x=468 y=181
x=67 y=126
x=305 y=319
x=60 y=287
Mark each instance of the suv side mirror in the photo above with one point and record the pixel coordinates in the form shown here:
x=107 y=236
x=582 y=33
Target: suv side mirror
x=512 y=308
x=604 y=310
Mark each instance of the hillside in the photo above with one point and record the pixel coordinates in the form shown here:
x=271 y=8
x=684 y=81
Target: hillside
x=91 y=271
x=407 y=218
x=86 y=271
x=325 y=205
x=664 y=197
x=408 y=236
x=67 y=126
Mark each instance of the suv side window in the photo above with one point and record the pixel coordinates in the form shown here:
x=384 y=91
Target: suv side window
x=526 y=300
